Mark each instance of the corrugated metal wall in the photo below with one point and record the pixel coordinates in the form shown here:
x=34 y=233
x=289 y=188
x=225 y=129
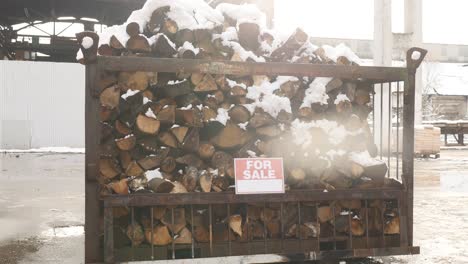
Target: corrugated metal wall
x=41 y=104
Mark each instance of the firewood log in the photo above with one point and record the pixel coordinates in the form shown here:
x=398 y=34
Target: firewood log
x=294 y=42
x=153 y=161
x=168 y=139
x=191 y=117
x=160 y=237
x=220 y=183
x=167 y=115
x=231 y=136
x=133 y=81
x=147 y=125
x=190 y=178
x=126 y=143
x=192 y=140
x=184 y=237
x=206 y=150
x=157 y=19
x=135 y=234
x=190 y=160
x=134 y=169
x=159 y=185
x=163 y=48
x=178 y=188
x=115 y=43
x=268 y=131
x=174 y=219
x=158 y=212
x=239 y=114
x=110 y=97
x=205 y=180
x=207 y=84
x=138 y=44
x=235 y=223
x=248 y=35
x=362 y=97
x=184 y=35
x=261 y=119
x=122 y=128
x=108 y=168
x=169 y=27
x=223 y=162
x=180 y=133
x=168 y=165
x=120 y=186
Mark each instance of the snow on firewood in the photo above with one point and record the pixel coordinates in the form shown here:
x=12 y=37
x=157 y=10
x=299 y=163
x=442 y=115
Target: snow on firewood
x=363 y=158
x=129 y=93
x=188 y=107
x=151 y=174
x=303 y=137
x=316 y=93
x=189 y=46
x=334 y=53
x=150 y=113
x=193 y=14
x=222 y=117
x=341 y=98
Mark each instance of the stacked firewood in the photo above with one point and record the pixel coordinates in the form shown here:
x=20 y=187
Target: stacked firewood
x=179 y=132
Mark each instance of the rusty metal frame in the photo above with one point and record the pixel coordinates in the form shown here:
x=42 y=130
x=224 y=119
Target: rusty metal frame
x=96 y=209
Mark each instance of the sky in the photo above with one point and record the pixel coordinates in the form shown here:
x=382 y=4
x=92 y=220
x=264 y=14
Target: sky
x=444 y=21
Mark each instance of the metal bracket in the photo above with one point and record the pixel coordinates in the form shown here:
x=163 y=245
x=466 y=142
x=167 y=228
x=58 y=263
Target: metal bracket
x=90 y=53
x=414 y=58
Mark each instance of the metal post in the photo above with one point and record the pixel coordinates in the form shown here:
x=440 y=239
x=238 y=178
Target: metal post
x=408 y=133
x=108 y=235
x=93 y=207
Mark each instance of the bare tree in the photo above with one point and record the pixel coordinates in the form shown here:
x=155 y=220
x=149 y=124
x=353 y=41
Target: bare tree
x=431 y=85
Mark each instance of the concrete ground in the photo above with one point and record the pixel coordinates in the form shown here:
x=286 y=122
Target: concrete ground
x=43 y=223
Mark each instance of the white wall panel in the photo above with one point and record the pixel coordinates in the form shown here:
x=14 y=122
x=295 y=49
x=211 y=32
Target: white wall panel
x=46 y=102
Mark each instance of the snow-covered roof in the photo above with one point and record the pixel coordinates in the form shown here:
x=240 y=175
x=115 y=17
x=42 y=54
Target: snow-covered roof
x=445 y=78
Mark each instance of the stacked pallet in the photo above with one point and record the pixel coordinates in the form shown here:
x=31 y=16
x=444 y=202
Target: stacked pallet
x=179 y=132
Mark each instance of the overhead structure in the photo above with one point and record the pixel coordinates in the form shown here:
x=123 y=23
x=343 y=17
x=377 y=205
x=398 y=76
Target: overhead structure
x=36 y=12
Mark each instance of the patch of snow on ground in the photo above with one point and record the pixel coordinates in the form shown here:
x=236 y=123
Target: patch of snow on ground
x=45 y=150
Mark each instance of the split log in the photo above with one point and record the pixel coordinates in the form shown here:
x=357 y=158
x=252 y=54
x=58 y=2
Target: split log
x=206 y=150
x=120 y=187
x=239 y=114
x=134 y=169
x=206 y=84
x=180 y=133
x=147 y=125
x=191 y=117
x=168 y=165
x=159 y=185
x=126 y=143
x=115 y=43
x=135 y=234
x=133 y=29
x=108 y=168
x=174 y=219
x=235 y=223
x=190 y=160
x=248 y=35
x=294 y=42
x=138 y=44
x=110 y=97
x=168 y=139
x=192 y=140
x=163 y=47
x=167 y=114
x=158 y=212
x=160 y=237
x=190 y=178
x=122 y=128
x=184 y=237
x=230 y=137
x=205 y=180
x=223 y=162
x=133 y=81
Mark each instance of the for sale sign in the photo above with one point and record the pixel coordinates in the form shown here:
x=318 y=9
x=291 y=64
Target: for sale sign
x=259 y=175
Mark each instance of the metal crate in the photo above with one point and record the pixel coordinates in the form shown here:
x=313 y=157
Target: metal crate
x=98 y=249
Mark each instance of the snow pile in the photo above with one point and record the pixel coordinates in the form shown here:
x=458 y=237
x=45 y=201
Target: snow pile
x=193 y=14
x=150 y=113
x=316 y=93
x=222 y=117
x=364 y=158
x=341 y=98
x=151 y=174
x=303 y=137
x=340 y=50
x=129 y=93
x=266 y=99
x=189 y=46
